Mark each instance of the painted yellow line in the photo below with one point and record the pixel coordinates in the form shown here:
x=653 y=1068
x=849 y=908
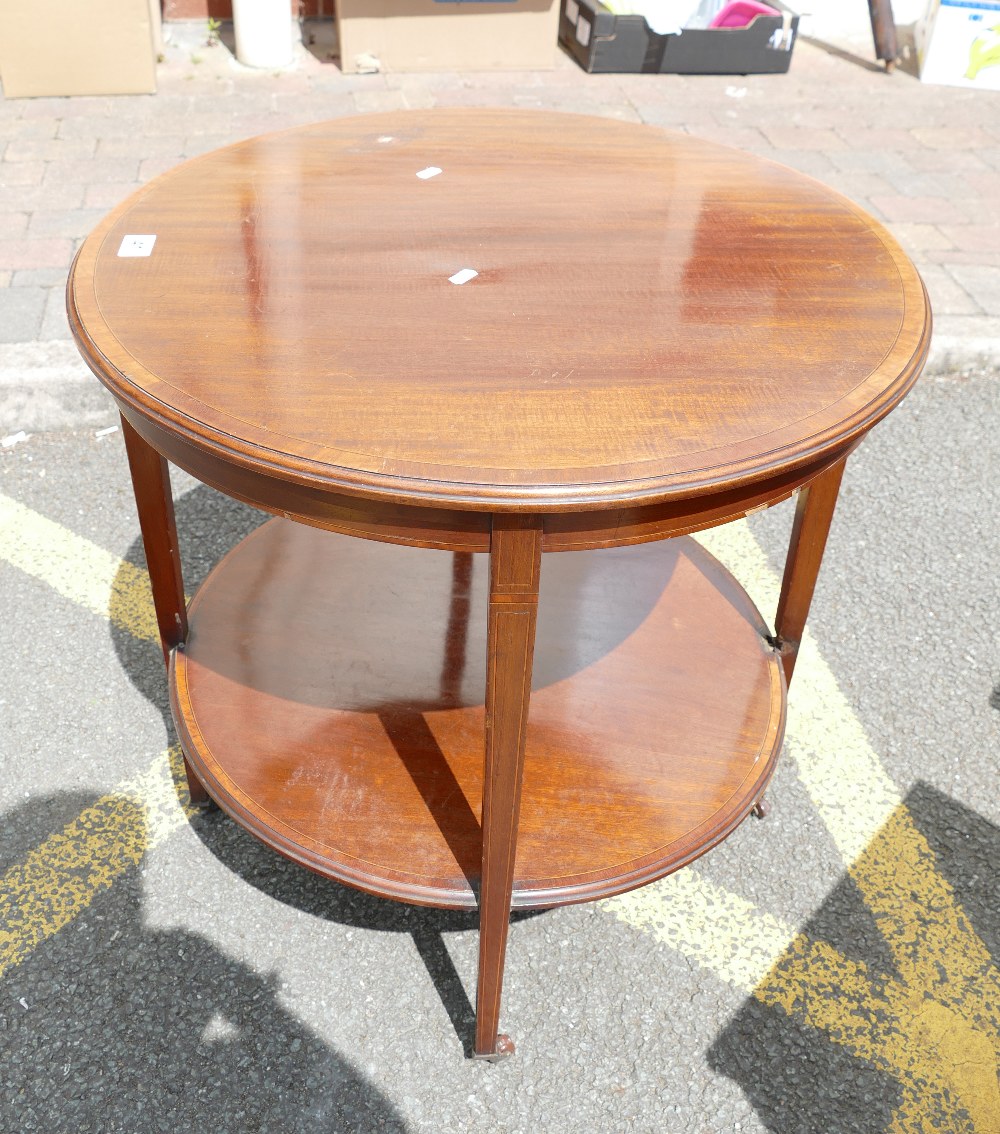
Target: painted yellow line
x=77 y=569
x=932 y=943
x=935 y=1029
x=850 y=790
x=844 y=777
x=708 y=923
x=61 y=877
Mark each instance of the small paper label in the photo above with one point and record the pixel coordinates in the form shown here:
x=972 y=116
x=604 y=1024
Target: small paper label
x=572 y=11
x=430 y=171
x=583 y=29
x=136 y=245
x=463 y=276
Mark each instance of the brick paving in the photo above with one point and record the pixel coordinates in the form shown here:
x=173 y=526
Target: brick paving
x=923 y=159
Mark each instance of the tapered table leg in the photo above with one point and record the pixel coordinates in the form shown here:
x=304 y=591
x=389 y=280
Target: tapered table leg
x=884 y=32
x=155 y=504
x=515 y=562
x=813 y=516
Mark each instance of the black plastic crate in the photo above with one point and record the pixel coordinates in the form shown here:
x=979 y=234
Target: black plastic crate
x=602 y=42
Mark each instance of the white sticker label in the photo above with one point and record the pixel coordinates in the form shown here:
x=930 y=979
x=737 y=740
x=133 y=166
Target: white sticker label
x=572 y=11
x=430 y=171
x=583 y=29
x=136 y=245
x=463 y=276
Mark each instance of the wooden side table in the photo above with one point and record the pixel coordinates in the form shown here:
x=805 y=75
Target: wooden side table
x=501 y=333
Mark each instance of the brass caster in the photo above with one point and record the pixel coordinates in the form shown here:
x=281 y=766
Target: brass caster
x=761 y=808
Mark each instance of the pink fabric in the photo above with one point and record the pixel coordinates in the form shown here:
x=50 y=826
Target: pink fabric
x=739 y=13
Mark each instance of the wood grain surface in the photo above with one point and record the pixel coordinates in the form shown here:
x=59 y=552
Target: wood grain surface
x=512 y=616
x=656 y=713
x=653 y=316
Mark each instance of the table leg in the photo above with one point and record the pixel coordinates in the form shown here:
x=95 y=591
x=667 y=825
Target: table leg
x=155 y=505
x=813 y=516
x=457 y=632
x=884 y=32
x=515 y=563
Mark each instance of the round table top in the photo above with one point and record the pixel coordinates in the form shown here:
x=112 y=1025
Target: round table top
x=651 y=316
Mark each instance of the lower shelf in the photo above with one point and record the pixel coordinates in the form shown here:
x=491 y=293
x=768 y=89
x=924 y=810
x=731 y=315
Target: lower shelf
x=330 y=698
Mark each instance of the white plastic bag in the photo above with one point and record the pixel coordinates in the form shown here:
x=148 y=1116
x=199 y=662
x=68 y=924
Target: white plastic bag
x=665 y=17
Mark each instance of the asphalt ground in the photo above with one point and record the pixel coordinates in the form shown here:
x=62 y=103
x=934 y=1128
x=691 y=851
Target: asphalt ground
x=830 y=969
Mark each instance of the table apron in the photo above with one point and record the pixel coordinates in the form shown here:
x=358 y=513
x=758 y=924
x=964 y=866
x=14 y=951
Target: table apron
x=454 y=529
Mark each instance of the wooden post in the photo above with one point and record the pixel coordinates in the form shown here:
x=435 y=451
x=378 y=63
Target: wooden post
x=515 y=564
x=884 y=32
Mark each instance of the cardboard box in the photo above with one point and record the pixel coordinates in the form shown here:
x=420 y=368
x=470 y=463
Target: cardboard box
x=77 y=47
x=447 y=35
x=958 y=44
x=600 y=41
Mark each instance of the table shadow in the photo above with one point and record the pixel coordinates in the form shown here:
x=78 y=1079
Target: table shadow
x=287 y=882
x=110 y=1024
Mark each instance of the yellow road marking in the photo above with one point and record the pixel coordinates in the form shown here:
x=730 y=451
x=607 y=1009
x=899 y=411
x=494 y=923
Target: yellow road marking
x=61 y=877
x=708 y=923
x=851 y=791
x=77 y=569
x=937 y=1028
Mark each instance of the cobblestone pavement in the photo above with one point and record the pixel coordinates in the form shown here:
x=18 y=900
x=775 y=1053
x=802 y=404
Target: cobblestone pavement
x=831 y=970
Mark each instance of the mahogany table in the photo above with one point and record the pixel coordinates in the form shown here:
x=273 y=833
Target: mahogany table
x=504 y=333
